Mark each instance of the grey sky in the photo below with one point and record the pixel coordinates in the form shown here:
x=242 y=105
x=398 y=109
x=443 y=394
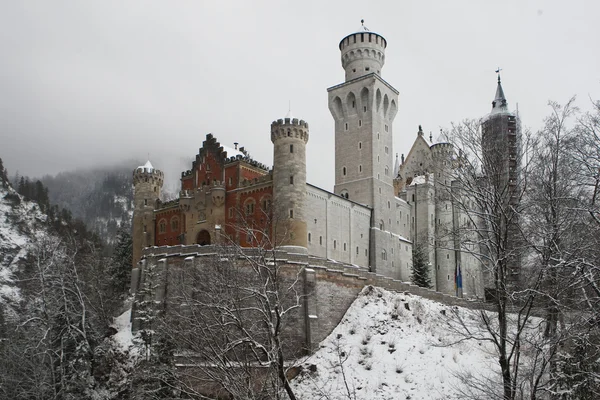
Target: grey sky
x=87 y=83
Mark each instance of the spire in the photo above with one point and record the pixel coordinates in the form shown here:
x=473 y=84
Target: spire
x=396 y=167
x=289 y=113
x=499 y=104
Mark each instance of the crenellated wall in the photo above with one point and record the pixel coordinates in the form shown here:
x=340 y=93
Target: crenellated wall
x=329 y=287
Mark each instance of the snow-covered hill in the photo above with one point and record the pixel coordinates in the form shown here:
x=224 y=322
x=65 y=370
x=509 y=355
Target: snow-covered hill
x=21 y=222
x=396 y=346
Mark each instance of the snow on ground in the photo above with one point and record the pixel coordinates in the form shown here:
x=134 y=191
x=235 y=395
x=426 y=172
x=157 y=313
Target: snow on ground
x=20 y=224
x=394 y=346
x=123 y=338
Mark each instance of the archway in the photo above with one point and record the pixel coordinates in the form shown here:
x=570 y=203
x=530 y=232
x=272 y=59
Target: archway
x=203 y=238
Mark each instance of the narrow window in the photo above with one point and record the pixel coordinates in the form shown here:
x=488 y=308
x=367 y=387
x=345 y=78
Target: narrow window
x=321 y=240
x=334 y=244
x=346 y=126
x=145 y=202
x=365 y=108
x=292 y=180
x=308 y=237
x=360 y=168
x=360 y=122
x=231 y=212
x=356 y=250
x=359 y=145
x=353 y=104
x=366 y=253
x=344 y=171
x=145 y=228
x=291 y=213
x=344 y=246
x=291 y=148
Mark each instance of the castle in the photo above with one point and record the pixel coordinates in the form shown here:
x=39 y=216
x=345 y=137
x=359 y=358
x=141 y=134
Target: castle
x=379 y=208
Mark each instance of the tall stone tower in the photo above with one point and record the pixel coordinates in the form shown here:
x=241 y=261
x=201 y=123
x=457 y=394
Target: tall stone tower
x=364 y=108
x=501 y=148
x=147 y=183
x=289 y=137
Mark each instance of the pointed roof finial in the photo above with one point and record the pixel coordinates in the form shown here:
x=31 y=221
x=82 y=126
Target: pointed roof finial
x=396 y=167
x=420 y=133
x=362 y=28
x=430 y=137
x=499 y=104
x=289 y=113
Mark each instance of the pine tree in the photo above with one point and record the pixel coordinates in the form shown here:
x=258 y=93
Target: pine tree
x=3 y=175
x=420 y=268
x=120 y=268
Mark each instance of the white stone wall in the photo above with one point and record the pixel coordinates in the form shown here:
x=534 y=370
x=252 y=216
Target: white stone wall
x=337 y=227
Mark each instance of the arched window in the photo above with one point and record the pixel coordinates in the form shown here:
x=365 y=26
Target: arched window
x=175 y=223
x=383 y=254
x=381 y=225
x=344 y=171
x=162 y=226
x=249 y=207
x=266 y=203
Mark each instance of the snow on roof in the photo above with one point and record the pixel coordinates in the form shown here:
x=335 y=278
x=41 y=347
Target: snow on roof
x=421 y=179
x=231 y=152
x=148 y=166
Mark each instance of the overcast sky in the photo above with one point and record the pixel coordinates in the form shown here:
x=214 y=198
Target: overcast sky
x=86 y=83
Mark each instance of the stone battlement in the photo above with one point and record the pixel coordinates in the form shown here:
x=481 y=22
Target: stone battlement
x=330 y=287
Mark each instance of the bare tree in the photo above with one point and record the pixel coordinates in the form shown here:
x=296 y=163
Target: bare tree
x=233 y=316
x=490 y=178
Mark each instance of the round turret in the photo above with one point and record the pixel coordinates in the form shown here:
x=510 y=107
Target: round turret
x=289 y=137
x=147 y=184
x=363 y=53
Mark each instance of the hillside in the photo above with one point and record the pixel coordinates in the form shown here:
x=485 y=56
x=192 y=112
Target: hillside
x=396 y=346
x=101 y=197
x=21 y=222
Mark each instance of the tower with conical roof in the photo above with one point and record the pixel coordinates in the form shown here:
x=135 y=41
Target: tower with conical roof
x=363 y=108
x=147 y=183
x=501 y=150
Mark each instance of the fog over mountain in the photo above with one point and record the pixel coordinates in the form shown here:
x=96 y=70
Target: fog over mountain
x=94 y=83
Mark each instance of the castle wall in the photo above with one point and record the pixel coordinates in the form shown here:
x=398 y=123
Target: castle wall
x=337 y=227
x=168 y=227
x=328 y=287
